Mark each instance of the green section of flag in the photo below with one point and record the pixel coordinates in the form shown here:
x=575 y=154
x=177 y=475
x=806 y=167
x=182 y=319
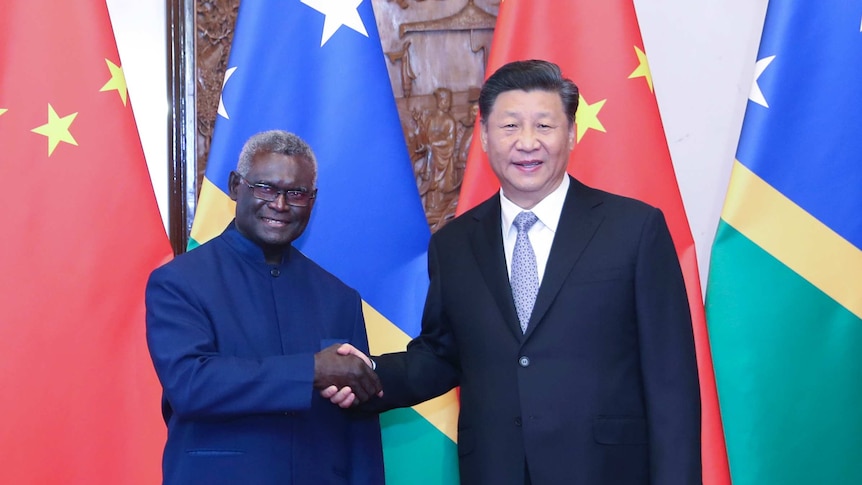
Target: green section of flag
x=788 y=365
x=415 y=451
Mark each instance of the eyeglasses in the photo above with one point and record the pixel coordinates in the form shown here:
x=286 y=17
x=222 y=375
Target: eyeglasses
x=269 y=193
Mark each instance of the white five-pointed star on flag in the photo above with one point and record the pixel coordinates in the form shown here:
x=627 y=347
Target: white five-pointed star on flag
x=338 y=13
x=756 y=94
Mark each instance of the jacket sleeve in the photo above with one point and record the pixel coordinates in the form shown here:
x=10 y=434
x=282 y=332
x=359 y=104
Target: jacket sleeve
x=429 y=366
x=668 y=361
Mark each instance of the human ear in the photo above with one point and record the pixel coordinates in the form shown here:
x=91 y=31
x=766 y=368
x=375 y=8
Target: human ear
x=483 y=135
x=232 y=184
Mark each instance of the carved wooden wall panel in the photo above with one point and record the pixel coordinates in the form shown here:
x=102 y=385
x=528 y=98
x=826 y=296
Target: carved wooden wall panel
x=436 y=52
x=214 y=27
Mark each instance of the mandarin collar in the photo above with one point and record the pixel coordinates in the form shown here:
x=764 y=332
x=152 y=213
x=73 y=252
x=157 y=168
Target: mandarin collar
x=250 y=249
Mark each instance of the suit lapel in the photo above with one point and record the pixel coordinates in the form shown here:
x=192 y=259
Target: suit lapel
x=578 y=223
x=487 y=245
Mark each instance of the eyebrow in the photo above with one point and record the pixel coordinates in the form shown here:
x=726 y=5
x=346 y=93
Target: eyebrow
x=301 y=188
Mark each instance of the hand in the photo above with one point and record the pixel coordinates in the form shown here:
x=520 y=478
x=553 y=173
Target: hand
x=345 y=397
x=347 y=349
x=345 y=370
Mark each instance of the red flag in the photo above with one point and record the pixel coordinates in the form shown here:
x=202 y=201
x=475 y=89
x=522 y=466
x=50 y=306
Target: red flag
x=80 y=401
x=621 y=146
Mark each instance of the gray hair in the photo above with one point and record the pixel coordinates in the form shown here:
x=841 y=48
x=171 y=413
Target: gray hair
x=275 y=141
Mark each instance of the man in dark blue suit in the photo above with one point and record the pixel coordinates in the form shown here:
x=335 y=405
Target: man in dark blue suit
x=243 y=329
x=561 y=312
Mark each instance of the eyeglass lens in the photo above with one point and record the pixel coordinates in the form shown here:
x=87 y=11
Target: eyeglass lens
x=292 y=197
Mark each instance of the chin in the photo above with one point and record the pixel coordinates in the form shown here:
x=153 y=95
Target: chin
x=282 y=241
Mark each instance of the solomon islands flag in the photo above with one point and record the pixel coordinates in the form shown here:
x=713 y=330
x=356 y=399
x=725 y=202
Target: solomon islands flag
x=784 y=297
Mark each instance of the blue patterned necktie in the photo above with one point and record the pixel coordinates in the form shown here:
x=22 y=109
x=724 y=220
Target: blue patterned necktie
x=525 y=276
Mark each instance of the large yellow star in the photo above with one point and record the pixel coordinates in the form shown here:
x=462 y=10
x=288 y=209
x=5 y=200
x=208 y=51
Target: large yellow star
x=643 y=68
x=117 y=81
x=57 y=129
x=587 y=116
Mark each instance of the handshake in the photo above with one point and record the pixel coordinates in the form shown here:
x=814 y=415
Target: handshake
x=343 y=375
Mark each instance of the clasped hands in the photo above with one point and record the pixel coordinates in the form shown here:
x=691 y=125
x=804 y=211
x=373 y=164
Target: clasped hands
x=344 y=376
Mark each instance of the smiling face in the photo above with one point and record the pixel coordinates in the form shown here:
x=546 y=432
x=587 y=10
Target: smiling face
x=272 y=225
x=528 y=138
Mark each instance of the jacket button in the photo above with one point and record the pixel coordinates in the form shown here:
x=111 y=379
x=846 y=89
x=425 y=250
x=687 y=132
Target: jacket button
x=275 y=272
x=524 y=361
x=518 y=421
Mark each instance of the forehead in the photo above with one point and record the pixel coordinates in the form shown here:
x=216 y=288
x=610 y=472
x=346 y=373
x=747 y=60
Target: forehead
x=279 y=167
x=527 y=103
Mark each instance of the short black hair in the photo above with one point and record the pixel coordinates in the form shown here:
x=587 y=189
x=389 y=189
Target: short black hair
x=532 y=75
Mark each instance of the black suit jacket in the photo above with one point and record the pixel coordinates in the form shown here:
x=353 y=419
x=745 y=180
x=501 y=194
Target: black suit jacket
x=602 y=388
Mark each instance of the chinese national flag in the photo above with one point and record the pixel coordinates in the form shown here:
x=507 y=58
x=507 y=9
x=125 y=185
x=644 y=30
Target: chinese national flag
x=621 y=146
x=78 y=397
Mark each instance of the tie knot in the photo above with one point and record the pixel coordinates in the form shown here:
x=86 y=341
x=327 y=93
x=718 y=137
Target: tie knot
x=525 y=220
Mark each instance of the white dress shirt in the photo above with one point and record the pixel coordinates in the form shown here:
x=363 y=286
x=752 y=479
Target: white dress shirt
x=541 y=233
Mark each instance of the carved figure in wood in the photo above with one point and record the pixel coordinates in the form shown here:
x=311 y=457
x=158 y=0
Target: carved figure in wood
x=407 y=74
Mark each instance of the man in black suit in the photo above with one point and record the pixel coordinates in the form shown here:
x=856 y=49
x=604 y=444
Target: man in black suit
x=572 y=342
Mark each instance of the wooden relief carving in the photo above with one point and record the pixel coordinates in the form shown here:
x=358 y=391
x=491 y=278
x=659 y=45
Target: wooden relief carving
x=214 y=27
x=435 y=50
x=436 y=54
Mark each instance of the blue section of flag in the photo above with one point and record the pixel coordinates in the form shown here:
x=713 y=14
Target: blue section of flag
x=808 y=142
x=368 y=226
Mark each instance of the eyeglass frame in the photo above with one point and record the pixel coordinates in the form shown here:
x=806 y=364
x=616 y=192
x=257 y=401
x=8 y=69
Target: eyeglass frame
x=312 y=194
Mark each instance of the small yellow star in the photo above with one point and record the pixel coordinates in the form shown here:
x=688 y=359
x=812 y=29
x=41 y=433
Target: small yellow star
x=643 y=68
x=587 y=117
x=3 y=110
x=57 y=129
x=117 y=81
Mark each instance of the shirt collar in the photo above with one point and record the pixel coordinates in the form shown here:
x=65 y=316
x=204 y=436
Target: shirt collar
x=548 y=210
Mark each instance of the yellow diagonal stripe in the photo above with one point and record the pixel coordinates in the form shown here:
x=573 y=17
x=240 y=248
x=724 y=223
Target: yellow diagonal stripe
x=383 y=337
x=794 y=237
x=214 y=212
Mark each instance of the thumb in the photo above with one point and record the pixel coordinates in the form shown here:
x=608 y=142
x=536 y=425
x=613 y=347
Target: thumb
x=345 y=349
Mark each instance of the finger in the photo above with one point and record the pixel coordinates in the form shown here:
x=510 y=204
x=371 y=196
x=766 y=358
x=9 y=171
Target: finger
x=369 y=384
x=350 y=400
x=364 y=358
x=329 y=392
x=364 y=386
x=362 y=390
x=345 y=394
x=346 y=349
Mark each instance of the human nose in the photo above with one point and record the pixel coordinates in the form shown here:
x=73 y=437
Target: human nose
x=527 y=140
x=280 y=202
